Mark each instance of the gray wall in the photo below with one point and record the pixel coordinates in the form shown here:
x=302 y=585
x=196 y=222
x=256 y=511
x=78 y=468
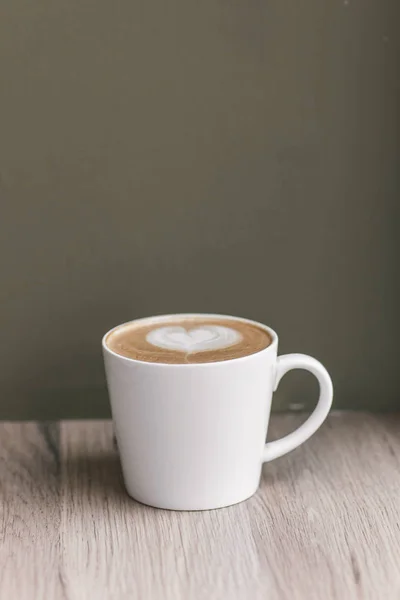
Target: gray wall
x=224 y=155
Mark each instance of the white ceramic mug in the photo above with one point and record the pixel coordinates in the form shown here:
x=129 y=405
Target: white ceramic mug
x=192 y=436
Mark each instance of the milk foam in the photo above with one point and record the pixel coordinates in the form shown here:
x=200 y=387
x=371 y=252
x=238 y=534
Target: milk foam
x=197 y=339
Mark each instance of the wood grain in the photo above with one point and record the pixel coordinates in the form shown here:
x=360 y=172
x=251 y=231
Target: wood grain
x=324 y=524
x=29 y=511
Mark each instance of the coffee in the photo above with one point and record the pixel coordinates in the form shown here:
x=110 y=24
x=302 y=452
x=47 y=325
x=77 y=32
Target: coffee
x=189 y=339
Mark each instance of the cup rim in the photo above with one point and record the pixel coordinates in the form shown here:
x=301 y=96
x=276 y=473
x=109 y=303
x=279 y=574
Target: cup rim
x=169 y=316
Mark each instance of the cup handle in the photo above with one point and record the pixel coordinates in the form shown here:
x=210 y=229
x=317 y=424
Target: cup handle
x=286 y=363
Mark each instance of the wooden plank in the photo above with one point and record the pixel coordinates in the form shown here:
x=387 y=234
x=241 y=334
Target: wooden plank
x=330 y=511
x=29 y=512
x=324 y=524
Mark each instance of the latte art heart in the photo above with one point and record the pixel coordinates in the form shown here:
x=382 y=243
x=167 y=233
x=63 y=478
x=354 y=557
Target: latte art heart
x=187 y=339
x=197 y=339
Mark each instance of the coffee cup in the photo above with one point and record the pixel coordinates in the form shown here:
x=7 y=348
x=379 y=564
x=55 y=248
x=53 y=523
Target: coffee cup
x=191 y=399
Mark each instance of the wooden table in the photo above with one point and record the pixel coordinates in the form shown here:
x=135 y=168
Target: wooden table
x=324 y=524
